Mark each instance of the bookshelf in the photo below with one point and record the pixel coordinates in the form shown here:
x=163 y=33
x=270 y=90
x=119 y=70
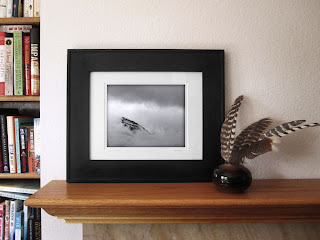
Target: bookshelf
x=27 y=105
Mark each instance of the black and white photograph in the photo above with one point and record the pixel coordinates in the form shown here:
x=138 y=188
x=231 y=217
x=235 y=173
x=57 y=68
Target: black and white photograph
x=145 y=116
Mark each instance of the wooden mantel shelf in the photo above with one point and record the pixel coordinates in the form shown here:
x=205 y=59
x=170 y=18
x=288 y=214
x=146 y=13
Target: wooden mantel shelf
x=112 y=203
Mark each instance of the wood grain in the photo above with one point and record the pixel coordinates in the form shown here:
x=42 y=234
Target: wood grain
x=20 y=20
x=265 y=201
x=19 y=176
x=19 y=98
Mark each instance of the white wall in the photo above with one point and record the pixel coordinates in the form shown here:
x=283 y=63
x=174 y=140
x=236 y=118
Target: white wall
x=272 y=53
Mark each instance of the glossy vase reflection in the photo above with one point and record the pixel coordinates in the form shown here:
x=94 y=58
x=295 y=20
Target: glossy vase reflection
x=232 y=178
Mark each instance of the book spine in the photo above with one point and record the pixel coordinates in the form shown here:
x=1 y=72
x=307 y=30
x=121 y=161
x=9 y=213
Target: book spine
x=15 y=6
x=3 y=8
x=37 y=223
x=35 y=61
x=36 y=8
x=12 y=28
x=2 y=220
x=18 y=73
x=24 y=150
x=26 y=8
x=31 y=228
x=19 y=196
x=37 y=144
x=11 y=144
x=20 y=8
x=18 y=225
x=17 y=143
x=9 y=8
x=2 y=63
x=9 y=64
x=27 y=64
x=1 y=159
x=12 y=218
x=31 y=158
x=26 y=215
x=7 y=220
x=4 y=143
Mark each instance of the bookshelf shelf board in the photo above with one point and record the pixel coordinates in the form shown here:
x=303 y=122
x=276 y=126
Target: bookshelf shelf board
x=19 y=176
x=133 y=203
x=19 y=98
x=20 y=20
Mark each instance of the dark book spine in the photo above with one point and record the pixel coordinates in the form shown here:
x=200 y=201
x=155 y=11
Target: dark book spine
x=37 y=223
x=15 y=10
x=31 y=235
x=4 y=143
x=1 y=158
x=24 y=150
x=35 y=60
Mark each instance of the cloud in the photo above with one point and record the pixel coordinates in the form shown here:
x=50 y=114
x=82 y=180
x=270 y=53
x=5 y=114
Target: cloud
x=161 y=95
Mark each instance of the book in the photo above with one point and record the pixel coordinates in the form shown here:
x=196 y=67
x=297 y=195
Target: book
x=17 y=124
x=4 y=143
x=28 y=8
x=2 y=219
x=2 y=63
x=27 y=63
x=20 y=186
x=18 y=65
x=3 y=8
x=7 y=220
x=31 y=156
x=1 y=159
x=9 y=8
x=24 y=150
x=12 y=28
x=18 y=196
x=15 y=7
x=15 y=206
x=9 y=64
x=37 y=144
x=37 y=223
x=11 y=144
x=31 y=234
x=26 y=215
x=36 y=8
x=18 y=226
x=35 y=61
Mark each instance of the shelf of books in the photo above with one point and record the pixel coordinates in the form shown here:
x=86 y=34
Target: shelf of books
x=19 y=118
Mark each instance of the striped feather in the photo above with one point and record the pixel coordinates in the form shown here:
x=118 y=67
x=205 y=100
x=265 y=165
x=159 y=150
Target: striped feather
x=258 y=148
x=228 y=129
x=281 y=129
x=247 y=137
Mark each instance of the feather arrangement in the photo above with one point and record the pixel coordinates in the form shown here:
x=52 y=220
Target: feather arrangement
x=255 y=139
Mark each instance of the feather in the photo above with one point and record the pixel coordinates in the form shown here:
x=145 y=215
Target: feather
x=247 y=137
x=281 y=129
x=266 y=144
x=228 y=129
x=258 y=148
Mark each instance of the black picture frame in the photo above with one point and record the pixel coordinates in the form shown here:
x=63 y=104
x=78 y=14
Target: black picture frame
x=81 y=62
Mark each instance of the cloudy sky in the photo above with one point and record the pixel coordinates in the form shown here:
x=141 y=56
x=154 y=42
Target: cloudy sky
x=158 y=108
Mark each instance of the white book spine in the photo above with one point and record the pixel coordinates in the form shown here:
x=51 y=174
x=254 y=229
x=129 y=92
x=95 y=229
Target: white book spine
x=3 y=8
x=12 y=217
x=9 y=8
x=11 y=144
x=36 y=8
x=25 y=8
x=2 y=64
x=31 y=7
x=37 y=144
x=9 y=65
x=26 y=215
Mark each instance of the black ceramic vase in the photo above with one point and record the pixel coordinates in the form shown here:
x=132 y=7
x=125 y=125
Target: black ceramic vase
x=232 y=178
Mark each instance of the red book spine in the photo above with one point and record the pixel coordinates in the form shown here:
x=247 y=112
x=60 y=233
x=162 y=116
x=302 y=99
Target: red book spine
x=27 y=64
x=31 y=157
x=2 y=63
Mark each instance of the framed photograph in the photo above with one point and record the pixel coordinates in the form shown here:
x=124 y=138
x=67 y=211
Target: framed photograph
x=144 y=115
